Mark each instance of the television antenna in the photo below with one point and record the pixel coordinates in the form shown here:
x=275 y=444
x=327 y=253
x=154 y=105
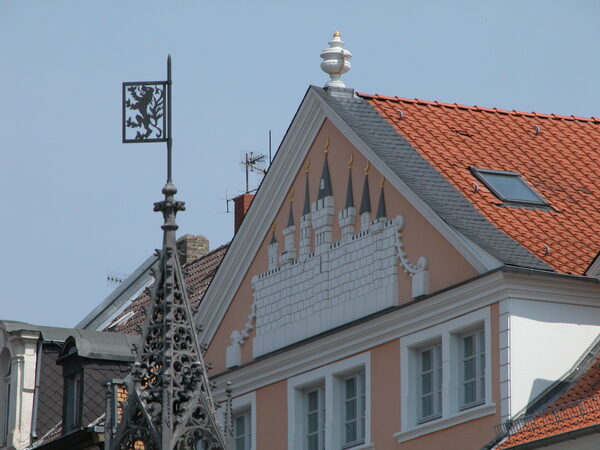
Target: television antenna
x=253 y=162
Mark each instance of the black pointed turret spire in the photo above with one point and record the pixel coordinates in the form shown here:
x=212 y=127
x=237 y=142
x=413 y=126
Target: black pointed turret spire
x=325 y=183
x=273 y=238
x=306 y=209
x=365 y=202
x=349 y=192
x=291 y=217
x=381 y=212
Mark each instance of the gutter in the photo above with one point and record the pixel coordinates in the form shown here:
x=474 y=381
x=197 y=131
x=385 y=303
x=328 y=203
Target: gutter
x=36 y=392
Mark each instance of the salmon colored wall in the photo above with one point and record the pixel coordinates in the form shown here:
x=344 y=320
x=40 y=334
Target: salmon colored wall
x=446 y=265
x=271 y=417
x=385 y=394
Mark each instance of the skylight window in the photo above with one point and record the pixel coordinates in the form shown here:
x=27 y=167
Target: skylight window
x=509 y=187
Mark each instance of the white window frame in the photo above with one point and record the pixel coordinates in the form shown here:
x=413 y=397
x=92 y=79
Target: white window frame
x=449 y=333
x=246 y=416
x=360 y=398
x=436 y=348
x=319 y=389
x=478 y=375
x=243 y=403
x=331 y=376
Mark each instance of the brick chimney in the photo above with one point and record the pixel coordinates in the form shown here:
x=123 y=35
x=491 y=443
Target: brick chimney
x=242 y=203
x=191 y=247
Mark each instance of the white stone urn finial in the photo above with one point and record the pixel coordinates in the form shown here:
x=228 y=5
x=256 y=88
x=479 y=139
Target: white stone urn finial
x=335 y=61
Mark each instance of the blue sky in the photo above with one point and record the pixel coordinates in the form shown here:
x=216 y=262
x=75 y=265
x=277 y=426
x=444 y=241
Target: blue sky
x=78 y=203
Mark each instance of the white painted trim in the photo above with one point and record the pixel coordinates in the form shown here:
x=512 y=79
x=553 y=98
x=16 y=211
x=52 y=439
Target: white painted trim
x=246 y=402
x=395 y=324
x=440 y=424
x=328 y=376
x=296 y=144
x=448 y=333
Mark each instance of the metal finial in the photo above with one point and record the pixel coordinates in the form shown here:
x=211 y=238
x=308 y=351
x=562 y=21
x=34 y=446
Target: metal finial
x=351 y=161
x=381 y=182
x=307 y=165
x=291 y=200
x=367 y=167
x=326 y=147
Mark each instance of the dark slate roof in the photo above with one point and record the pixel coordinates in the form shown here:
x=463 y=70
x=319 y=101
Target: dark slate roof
x=423 y=179
x=56 y=334
x=104 y=345
x=51 y=390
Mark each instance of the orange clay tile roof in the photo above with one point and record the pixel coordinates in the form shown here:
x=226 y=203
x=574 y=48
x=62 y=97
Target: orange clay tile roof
x=578 y=407
x=561 y=162
x=200 y=273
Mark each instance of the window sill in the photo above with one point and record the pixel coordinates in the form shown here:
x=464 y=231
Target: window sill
x=361 y=447
x=439 y=424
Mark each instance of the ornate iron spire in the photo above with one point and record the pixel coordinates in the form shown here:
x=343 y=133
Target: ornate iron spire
x=169 y=405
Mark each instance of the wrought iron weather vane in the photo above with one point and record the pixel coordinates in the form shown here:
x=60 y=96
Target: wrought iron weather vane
x=169 y=404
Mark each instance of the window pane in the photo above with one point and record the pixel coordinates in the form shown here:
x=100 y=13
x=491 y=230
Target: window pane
x=426 y=360
x=468 y=347
x=351 y=387
x=313 y=400
x=313 y=442
x=469 y=392
x=351 y=432
x=469 y=369
x=427 y=406
x=510 y=187
x=313 y=422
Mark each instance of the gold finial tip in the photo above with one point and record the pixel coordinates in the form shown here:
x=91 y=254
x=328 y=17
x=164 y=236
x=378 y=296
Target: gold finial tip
x=337 y=34
x=382 y=181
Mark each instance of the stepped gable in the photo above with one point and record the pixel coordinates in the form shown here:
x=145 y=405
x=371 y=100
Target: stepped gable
x=199 y=275
x=557 y=155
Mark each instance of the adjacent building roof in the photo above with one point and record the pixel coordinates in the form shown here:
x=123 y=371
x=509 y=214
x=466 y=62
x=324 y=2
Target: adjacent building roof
x=558 y=156
x=569 y=409
x=199 y=275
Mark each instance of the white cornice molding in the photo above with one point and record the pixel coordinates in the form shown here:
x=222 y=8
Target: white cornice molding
x=292 y=151
x=364 y=335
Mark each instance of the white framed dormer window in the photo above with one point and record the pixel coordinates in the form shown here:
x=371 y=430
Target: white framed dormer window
x=243 y=423
x=449 y=364
x=330 y=407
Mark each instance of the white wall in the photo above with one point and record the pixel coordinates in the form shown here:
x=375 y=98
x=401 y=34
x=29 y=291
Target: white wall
x=545 y=340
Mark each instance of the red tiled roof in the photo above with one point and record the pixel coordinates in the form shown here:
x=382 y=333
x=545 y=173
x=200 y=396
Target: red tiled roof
x=200 y=273
x=561 y=162
x=578 y=407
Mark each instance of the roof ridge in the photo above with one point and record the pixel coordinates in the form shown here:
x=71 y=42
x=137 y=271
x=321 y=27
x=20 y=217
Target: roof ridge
x=480 y=108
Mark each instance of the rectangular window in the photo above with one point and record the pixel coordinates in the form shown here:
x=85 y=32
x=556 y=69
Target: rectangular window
x=242 y=431
x=314 y=401
x=73 y=392
x=473 y=368
x=430 y=382
x=354 y=409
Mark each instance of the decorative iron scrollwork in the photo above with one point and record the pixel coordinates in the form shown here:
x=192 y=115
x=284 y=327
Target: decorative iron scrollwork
x=144 y=112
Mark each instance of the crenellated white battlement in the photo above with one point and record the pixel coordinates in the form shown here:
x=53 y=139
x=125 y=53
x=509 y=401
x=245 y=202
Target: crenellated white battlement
x=348 y=280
